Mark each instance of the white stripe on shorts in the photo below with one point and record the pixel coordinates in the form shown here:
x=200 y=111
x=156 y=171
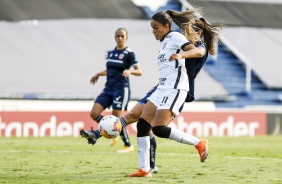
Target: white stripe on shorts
x=125 y=98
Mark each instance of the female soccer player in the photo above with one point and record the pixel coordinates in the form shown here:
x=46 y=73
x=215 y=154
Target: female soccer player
x=171 y=93
x=193 y=67
x=117 y=88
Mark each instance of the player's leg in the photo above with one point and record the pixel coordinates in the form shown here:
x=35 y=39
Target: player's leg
x=124 y=136
x=162 y=119
x=101 y=103
x=143 y=138
x=120 y=101
x=93 y=135
x=96 y=111
x=134 y=114
x=116 y=113
x=131 y=117
x=153 y=149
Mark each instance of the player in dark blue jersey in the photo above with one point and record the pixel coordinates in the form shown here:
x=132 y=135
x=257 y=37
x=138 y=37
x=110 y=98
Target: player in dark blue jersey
x=193 y=67
x=116 y=93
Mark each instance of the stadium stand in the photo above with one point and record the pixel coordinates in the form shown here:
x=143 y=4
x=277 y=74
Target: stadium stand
x=241 y=62
x=249 y=24
x=253 y=30
x=264 y=56
x=244 y=13
x=54 y=56
x=50 y=49
x=15 y=10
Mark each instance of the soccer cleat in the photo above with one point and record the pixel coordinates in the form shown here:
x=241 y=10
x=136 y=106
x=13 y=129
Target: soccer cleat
x=154 y=170
x=114 y=141
x=202 y=148
x=89 y=136
x=126 y=149
x=140 y=173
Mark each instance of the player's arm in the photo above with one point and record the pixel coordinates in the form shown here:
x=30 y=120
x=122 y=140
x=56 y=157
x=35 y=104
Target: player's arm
x=95 y=78
x=133 y=62
x=190 y=52
x=137 y=71
x=196 y=52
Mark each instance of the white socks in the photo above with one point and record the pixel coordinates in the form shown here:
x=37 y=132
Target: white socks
x=182 y=137
x=144 y=152
x=144 y=146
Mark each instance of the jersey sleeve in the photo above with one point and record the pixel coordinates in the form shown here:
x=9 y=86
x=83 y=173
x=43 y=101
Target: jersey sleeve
x=180 y=41
x=201 y=44
x=108 y=54
x=132 y=59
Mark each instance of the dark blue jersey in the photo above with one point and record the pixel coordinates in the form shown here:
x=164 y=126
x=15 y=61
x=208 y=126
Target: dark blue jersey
x=118 y=61
x=193 y=66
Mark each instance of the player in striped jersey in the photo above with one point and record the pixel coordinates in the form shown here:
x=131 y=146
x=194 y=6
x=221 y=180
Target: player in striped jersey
x=167 y=101
x=193 y=67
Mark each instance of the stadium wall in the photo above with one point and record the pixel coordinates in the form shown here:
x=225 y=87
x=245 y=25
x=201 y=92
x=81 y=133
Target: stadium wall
x=58 y=119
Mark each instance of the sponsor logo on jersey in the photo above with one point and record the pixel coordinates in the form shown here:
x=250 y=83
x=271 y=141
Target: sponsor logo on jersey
x=114 y=61
x=161 y=58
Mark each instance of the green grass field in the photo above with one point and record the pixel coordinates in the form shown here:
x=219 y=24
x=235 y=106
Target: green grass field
x=72 y=160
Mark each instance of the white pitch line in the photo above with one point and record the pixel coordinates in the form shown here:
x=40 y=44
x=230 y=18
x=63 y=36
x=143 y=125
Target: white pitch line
x=159 y=153
x=230 y=157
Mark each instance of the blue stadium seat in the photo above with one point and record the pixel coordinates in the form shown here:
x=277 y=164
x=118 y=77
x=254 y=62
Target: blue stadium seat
x=230 y=72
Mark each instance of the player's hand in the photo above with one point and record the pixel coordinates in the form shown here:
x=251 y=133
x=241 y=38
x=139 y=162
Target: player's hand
x=175 y=56
x=94 y=79
x=126 y=73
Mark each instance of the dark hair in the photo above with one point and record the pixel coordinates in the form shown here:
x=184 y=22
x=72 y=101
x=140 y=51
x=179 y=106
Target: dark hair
x=185 y=20
x=121 y=28
x=163 y=18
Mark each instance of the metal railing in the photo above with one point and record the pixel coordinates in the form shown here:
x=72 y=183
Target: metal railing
x=235 y=51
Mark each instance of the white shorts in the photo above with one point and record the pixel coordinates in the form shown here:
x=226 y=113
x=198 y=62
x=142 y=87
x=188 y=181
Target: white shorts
x=171 y=99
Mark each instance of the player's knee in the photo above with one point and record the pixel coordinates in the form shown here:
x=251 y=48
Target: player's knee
x=94 y=115
x=161 y=131
x=132 y=117
x=143 y=128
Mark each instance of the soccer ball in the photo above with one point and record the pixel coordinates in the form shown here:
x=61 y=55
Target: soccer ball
x=110 y=126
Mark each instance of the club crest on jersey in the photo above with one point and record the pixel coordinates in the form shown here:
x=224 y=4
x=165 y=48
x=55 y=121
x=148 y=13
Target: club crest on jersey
x=121 y=56
x=168 y=36
x=162 y=81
